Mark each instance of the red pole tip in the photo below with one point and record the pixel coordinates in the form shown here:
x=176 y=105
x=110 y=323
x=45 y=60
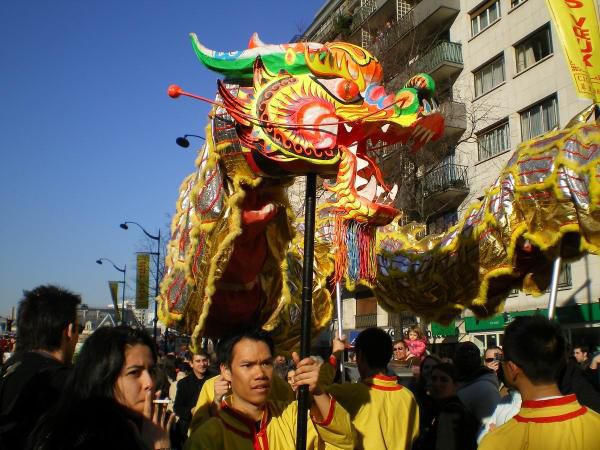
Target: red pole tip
x=174 y=91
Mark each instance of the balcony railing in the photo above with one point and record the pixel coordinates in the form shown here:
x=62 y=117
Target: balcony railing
x=403 y=319
x=393 y=34
x=443 y=52
x=444 y=177
x=365 y=320
x=362 y=14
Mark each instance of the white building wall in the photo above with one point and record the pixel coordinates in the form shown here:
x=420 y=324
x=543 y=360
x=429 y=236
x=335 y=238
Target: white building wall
x=519 y=91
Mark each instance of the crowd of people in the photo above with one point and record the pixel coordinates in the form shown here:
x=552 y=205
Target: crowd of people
x=117 y=394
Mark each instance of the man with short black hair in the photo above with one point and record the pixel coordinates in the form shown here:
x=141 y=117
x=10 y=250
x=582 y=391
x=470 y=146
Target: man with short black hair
x=581 y=354
x=534 y=355
x=33 y=378
x=383 y=412
x=247 y=419
x=188 y=389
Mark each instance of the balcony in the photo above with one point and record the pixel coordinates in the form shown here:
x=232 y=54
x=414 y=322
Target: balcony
x=361 y=14
x=455 y=117
x=401 y=320
x=441 y=62
x=431 y=15
x=365 y=320
x=426 y=18
x=445 y=187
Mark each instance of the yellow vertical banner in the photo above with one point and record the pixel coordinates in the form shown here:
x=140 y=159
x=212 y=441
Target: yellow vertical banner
x=576 y=22
x=142 y=281
x=114 y=293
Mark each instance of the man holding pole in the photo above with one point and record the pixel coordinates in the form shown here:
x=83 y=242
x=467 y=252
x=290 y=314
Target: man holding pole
x=249 y=420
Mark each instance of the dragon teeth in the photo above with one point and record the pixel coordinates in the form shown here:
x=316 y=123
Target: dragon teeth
x=380 y=194
x=370 y=189
x=385 y=127
x=347 y=127
x=392 y=194
x=353 y=148
x=359 y=182
x=361 y=164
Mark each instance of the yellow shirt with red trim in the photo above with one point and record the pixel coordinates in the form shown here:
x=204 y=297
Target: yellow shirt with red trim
x=560 y=423
x=280 y=391
x=229 y=430
x=383 y=412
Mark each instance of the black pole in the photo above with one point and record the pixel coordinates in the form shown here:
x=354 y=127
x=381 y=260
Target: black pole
x=156 y=288
x=310 y=197
x=123 y=297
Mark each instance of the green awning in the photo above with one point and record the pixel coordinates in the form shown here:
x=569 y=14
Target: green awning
x=588 y=312
x=441 y=330
x=489 y=324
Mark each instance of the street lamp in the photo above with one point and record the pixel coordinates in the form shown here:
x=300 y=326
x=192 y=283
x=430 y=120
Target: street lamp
x=183 y=141
x=156 y=238
x=123 y=271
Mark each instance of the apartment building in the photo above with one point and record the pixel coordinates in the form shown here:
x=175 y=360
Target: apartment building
x=501 y=79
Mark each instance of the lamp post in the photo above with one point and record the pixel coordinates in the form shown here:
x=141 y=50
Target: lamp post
x=156 y=238
x=183 y=141
x=123 y=271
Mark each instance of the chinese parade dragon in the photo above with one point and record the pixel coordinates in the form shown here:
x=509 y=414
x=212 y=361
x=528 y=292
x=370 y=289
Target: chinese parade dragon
x=282 y=111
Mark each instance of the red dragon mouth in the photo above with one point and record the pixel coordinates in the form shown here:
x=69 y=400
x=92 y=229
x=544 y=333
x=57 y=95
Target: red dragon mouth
x=362 y=193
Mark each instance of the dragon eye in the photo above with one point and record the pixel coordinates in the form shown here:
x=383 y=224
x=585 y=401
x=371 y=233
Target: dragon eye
x=347 y=90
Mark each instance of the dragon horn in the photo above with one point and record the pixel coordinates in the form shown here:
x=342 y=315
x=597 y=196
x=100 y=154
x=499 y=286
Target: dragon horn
x=240 y=64
x=255 y=41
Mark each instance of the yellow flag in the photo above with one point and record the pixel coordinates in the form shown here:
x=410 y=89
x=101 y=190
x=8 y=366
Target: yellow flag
x=114 y=290
x=141 y=284
x=576 y=22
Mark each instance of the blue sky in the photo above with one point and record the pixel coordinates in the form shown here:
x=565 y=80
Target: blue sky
x=87 y=132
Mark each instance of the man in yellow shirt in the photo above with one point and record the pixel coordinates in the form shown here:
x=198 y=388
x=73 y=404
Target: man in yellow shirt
x=247 y=419
x=383 y=412
x=534 y=354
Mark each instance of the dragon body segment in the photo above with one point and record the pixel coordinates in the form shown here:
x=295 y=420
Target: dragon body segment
x=235 y=256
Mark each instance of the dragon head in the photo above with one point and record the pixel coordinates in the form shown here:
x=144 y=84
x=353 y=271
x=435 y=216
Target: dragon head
x=321 y=108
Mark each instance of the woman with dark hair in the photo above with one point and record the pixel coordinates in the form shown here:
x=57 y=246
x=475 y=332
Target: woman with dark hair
x=452 y=427
x=108 y=403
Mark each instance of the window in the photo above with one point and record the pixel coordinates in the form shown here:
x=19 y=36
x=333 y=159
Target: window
x=514 y=3
x=539 y=119
x=564 y=278
x=493 y=142
x=533 y=48
x=489 y=76
x=484 y=18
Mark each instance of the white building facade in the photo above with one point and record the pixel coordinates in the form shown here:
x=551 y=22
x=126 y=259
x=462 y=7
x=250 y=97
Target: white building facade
x=502 y=79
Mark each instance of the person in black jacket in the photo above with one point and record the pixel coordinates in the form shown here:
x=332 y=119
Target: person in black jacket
x=108 y=399
x=188 y=390
x=453 y=426
x=32 y=380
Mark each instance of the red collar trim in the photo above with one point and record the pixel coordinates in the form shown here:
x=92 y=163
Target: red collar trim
x=550 y=419
x=385 y=377
x=559 y=401
x=383 y=383
x=329 y=417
